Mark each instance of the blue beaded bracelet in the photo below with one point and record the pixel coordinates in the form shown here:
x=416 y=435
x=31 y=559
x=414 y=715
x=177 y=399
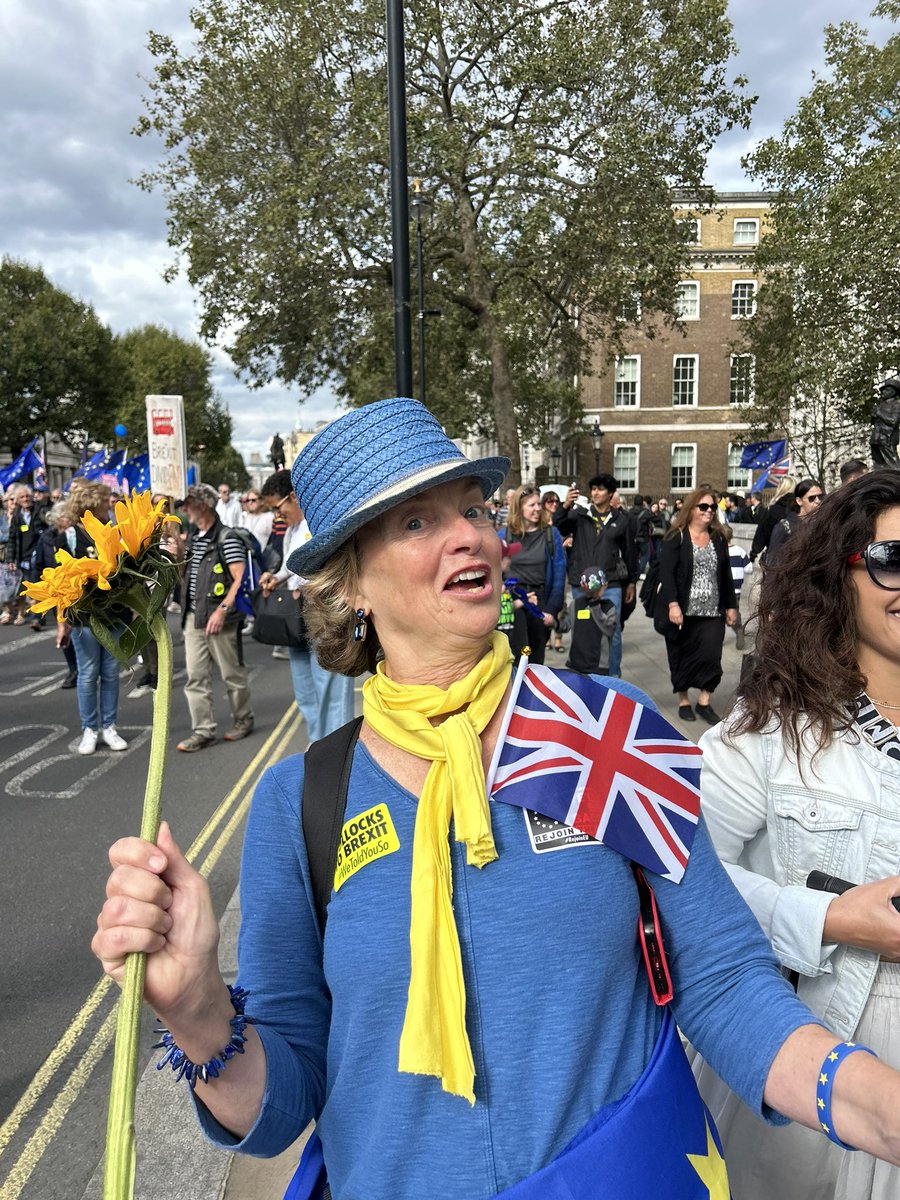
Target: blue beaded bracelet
x=185 y=1067
x=825 y=1084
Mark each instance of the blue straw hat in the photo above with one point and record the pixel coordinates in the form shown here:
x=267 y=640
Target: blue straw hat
x=370 y=460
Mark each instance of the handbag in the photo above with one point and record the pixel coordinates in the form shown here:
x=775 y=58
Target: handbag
x=278 y=619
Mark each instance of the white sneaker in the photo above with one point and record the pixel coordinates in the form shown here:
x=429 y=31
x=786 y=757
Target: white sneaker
x=88 y=743
x=112 y=739
x=280 y=652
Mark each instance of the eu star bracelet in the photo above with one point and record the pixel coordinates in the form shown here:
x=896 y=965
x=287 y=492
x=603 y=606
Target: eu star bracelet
x=825 y=1083
x=186 y=1067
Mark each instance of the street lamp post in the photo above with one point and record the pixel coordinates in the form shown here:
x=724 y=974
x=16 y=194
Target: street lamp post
x=556 y=458
x=419 y=203
x=596 y=441
x=396 y=71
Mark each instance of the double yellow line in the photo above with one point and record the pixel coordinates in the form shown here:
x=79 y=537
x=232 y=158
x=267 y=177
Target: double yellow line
x=226 y=819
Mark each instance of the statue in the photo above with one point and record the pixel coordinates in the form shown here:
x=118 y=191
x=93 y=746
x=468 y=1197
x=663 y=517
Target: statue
x=885 y=421
x=276 y=453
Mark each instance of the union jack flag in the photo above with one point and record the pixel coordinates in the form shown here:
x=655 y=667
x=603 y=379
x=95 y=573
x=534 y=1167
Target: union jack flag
x=592 y=758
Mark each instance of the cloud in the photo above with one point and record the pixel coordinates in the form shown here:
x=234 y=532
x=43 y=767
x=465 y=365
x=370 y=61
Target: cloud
x=72 y=77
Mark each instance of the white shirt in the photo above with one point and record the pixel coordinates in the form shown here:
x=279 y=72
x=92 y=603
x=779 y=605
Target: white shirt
x=294 y=537
x=259 y=524
x=229 y=512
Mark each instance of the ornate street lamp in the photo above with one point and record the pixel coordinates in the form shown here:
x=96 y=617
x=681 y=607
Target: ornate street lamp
x=596 y=441
x=556 y=458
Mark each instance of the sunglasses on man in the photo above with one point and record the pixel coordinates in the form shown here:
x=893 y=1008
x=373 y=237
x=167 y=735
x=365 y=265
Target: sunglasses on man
x=882 y=561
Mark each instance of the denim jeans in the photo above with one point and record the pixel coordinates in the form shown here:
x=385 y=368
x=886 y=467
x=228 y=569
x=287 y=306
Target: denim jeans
x=95 y=664
x=614 y=596
x=324 y=697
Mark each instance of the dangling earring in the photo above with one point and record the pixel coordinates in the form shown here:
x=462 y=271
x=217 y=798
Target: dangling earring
x=360 y=629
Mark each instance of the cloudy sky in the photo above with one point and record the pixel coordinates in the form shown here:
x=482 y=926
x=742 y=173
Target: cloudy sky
x=71 y=80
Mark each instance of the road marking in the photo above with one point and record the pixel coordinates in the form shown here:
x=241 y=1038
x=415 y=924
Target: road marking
x=239 y=813
x=16 y=785
x=33 y=682
x=17 y=644
x=53 y=1062
x=32 y=748
x=50 y=1123
x=38 y=1143
x=209 y=828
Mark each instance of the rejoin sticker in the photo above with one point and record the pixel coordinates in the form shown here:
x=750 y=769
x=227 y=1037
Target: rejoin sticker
x=365 y=837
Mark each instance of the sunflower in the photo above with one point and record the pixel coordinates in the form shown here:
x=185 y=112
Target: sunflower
x=137 y=520
x=109 y=548
x=63 y=586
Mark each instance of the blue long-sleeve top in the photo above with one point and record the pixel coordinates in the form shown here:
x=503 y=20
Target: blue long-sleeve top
x=559 y=1011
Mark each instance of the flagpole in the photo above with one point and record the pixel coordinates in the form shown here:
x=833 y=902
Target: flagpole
x=521 y=668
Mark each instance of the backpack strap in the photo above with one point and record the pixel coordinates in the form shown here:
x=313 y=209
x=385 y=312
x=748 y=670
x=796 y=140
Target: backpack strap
x=326 y=777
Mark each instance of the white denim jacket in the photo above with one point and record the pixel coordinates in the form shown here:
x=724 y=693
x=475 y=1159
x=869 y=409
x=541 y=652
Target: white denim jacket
x=772 y=825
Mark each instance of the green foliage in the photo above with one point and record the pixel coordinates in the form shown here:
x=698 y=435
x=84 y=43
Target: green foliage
x=57 y=362
x=828 y=314
x=548 y=134
x=157 y=362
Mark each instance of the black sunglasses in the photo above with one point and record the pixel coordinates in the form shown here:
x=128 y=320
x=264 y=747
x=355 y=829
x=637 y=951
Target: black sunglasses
x=882 y=561
x=705 y=507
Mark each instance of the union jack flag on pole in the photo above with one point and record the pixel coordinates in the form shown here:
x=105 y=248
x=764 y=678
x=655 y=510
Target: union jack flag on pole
x=581 y=753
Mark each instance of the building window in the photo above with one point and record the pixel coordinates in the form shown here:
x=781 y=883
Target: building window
x=746 y=231
x=684 y=466
x=631 y=308
x=625 y=467
x=737 y=476
x=628 y=381
x=690 y=227
x=684 y=379
x=743 y=298
x=687 y=301
x=740 y=379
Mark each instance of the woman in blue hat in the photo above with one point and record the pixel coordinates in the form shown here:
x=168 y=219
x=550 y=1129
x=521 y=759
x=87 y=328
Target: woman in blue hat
x=475 y=1017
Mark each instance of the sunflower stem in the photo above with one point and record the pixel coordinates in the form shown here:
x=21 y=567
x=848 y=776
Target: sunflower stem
x=121 y=1150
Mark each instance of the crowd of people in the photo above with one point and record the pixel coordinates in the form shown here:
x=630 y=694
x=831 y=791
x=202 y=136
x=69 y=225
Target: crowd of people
x=479 y=1010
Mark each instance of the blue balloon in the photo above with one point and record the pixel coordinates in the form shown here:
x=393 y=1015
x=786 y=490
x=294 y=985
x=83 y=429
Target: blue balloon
x=121 y=430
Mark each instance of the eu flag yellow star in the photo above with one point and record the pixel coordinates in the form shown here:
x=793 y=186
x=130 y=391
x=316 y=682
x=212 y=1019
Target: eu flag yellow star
x=711 y=1169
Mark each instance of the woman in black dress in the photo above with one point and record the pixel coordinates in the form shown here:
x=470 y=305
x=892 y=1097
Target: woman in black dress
x=696 y=585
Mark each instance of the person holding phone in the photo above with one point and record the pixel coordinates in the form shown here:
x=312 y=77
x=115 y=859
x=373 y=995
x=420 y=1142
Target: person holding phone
x=804 y=776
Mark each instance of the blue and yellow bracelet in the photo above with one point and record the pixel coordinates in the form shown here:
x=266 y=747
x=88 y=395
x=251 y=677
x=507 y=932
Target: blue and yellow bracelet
x=825 y=1083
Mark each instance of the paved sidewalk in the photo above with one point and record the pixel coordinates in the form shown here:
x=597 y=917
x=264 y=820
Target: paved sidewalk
x=174 y=1161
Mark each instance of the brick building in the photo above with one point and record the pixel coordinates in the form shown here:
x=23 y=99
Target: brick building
x=670 y=407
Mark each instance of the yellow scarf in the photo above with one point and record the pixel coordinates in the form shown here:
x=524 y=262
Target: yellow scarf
x=434 y=1039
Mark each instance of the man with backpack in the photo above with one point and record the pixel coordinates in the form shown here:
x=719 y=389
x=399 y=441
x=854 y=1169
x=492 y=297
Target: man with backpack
x=216 y=559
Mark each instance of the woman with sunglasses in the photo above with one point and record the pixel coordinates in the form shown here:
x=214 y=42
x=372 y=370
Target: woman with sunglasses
x=540 y=567
x=804 y=776
x=808 y=496
x=696 y=584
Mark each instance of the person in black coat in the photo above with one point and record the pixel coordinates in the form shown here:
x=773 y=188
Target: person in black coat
x=25 y=527
x=602 y=538
x=698 y=589
x=60 y=534
x=778 y=508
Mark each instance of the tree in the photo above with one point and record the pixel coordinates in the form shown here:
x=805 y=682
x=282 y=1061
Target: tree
x=157 y=362
x=548 y=134
x=827 y=324
x=57 y=363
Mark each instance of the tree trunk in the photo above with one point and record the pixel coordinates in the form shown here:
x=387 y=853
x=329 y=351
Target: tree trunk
x=483 y=291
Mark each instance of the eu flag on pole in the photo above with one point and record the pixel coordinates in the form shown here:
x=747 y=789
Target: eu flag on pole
x=596 y=760
x=107 y=465
x=759 y=455
x=28 y=460
x=136 y=472
x=773 y=475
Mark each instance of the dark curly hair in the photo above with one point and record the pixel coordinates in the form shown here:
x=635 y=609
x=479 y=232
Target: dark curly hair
x=805 y=670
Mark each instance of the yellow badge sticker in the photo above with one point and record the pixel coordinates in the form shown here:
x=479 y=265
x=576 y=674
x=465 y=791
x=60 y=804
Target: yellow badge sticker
x=583 y=615
x=367 y=836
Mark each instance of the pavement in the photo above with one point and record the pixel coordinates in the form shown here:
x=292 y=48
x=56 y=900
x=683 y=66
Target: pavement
x=174 y=1160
